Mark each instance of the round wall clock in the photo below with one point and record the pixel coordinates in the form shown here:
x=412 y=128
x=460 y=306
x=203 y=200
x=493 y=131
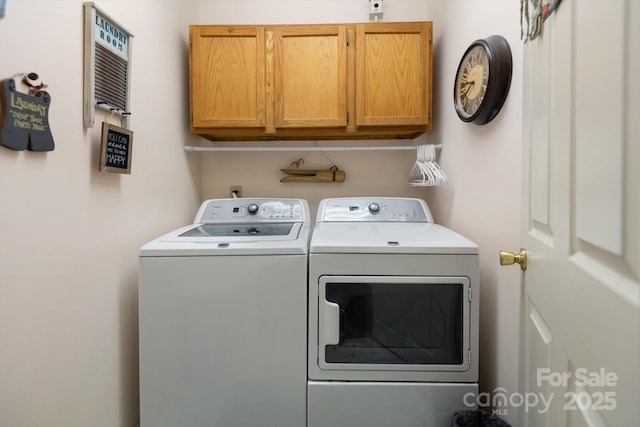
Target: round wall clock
x=482 y=80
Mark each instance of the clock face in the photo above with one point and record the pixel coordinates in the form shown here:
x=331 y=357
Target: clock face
x=471 y=82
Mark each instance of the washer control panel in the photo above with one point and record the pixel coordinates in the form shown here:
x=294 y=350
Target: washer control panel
x=252 y=210
x=378 y=209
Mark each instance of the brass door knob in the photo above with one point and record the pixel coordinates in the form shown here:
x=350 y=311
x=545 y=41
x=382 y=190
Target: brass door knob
x=508 y=258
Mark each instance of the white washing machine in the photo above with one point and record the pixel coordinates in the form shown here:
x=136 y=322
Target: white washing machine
x=393 y=316
x=222 y=318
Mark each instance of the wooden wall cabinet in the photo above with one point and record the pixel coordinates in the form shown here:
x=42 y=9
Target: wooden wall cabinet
x=227 y=77
x=334 y=81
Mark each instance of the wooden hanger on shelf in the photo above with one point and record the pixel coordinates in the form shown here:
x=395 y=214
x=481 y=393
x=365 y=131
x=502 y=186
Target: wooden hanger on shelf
x=313 y=175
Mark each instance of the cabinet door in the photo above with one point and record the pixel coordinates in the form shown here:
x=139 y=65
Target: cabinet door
x=227 y=74
x=393 y=74
x=310 y=76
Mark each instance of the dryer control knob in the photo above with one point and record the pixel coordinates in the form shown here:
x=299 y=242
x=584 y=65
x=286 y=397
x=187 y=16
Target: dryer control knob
x=374 y=208
x=252 y=209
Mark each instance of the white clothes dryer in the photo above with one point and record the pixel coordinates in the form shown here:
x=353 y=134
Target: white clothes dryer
x=393 y=316
x=222 y=317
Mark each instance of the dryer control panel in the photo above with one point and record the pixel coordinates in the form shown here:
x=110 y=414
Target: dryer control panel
x=374 y=209
x=252 y=210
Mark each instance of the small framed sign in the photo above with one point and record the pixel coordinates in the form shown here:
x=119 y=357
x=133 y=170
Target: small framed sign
x=116 y=149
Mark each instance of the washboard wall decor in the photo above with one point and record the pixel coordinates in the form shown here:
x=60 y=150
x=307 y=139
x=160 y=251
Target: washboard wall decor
x=107 y=66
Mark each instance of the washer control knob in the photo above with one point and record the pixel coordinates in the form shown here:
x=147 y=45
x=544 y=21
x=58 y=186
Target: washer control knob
x=374 y=208
x=253 y=209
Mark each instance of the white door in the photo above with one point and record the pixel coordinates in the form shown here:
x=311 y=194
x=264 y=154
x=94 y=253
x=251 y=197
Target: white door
x=580 y=330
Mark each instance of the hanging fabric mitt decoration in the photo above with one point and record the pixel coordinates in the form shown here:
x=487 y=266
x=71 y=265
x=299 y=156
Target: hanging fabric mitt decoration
x=24 y=118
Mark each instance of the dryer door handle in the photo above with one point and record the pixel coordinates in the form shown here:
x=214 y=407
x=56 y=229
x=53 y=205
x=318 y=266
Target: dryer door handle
x=329 y=323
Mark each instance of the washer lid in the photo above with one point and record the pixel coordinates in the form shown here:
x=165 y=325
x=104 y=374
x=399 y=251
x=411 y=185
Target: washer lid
x=392 y=238
x=231 y=239
x=253 y=226
x=239 y=230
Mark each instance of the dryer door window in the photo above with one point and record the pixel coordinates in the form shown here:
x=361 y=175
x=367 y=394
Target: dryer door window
x=401 y=322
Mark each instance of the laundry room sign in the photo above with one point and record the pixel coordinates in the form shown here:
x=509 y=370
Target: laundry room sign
x=115 y=149
x=24 y=118
x=107 y=66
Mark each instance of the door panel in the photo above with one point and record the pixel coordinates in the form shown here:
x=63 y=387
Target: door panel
x=393 y=74
x=539 y=338
x=540 y=151
x=581 y=300
x=599 y=129
x=394 y=323
x=311 y=70
x=227 y=66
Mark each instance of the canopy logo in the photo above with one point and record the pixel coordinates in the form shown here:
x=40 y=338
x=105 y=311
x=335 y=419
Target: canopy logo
x=589 y=391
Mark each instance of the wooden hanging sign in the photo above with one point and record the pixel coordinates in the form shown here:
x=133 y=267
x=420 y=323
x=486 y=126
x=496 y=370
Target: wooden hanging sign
x=115 y=149
x=24 y=119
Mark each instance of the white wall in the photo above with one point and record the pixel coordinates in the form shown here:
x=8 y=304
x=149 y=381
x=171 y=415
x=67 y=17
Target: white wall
x=69 y=235
x=484 y=166
x=68 y=288
x=482 y=199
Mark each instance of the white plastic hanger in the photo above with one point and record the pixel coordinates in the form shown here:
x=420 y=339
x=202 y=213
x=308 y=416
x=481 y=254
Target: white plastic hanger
x=426 y=172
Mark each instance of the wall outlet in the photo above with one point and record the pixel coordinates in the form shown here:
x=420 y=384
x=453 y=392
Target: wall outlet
x=235 y=189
